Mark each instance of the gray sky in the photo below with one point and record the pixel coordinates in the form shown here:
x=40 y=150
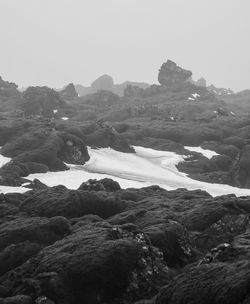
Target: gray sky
x=54 y=42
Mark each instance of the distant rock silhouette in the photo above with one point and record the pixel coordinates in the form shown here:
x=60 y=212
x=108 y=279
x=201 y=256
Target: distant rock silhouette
x=69 y=91
x=105 y=82
x=170 y=74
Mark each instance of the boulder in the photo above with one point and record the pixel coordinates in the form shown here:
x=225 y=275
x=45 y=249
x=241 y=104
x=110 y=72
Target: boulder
x=170 y=74
x=105 y=184
x=97 y=263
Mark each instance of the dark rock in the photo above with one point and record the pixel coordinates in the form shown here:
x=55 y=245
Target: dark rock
x=170 y=74
x=213 y=283
x=34 y=229
x=70 y=203
x=97 y=263
x=104 y=135
x=74 y=150
x=35 y=184
x=16 y=254
x=44 y=149
x=105 y=184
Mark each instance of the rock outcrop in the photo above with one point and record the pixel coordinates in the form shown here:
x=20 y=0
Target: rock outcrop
x=143 y=245
x=171 y=74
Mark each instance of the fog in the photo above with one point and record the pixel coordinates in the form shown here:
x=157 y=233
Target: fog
x=61 y=41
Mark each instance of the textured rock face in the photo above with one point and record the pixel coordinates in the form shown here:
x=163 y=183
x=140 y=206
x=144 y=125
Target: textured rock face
x=170 y=74
x=179 y=246
x=105 y=82
x=69 y=91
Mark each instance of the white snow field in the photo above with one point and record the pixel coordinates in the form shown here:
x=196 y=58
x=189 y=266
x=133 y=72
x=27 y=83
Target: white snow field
x=144 y=168
x=207 y=153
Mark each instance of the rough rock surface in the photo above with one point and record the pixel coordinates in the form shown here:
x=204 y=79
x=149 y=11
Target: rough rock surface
x=143 y=245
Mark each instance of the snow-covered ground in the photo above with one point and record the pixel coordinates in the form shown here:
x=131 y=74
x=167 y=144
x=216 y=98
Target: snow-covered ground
x=146 y=167
x=207 y=153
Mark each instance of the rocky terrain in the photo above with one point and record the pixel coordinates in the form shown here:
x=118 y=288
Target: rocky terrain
x=101 y=244
x=104 y=244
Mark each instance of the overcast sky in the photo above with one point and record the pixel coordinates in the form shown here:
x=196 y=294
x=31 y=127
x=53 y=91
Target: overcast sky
x=54 y=42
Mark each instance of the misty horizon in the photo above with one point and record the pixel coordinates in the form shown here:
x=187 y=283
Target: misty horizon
x=55 y=43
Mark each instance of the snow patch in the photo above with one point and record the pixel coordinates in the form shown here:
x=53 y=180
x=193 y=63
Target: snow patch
x=205 y=152
x=9 y=189
x=144 y=168
x=3 y=160
x=196 y=95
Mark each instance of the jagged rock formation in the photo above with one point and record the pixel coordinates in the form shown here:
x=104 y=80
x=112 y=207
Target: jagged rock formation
x=171 y=74
x=69 y=92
